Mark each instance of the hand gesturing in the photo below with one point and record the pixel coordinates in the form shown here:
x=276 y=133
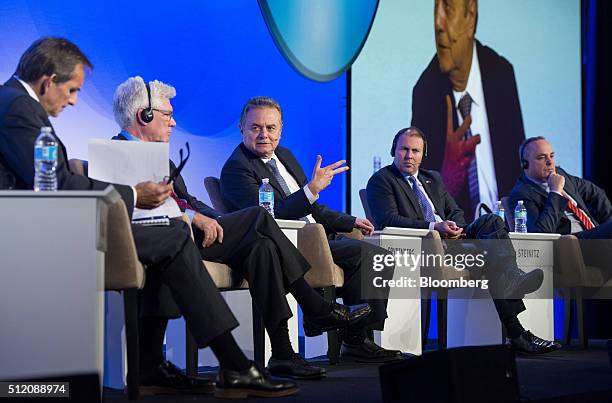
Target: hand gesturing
x=458 y=152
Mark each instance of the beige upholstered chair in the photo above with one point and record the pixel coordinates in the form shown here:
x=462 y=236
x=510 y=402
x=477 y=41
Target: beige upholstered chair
x=323 y=275
x=573 y=279
x=124 y=273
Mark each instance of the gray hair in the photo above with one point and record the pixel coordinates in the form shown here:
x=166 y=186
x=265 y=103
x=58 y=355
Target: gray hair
x=260 y=102
x=131 y=95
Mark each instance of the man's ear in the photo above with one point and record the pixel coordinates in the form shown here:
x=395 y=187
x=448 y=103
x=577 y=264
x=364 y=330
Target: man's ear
x=45 y=83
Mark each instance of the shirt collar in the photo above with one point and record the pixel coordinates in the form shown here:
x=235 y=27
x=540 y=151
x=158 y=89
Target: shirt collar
x=129 y=136
x=266 y=160
x=538 y=182
x=407 y=176
x=28 y=88
x=474 y=83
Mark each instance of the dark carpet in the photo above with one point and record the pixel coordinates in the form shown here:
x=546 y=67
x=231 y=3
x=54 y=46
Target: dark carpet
x=570 y=375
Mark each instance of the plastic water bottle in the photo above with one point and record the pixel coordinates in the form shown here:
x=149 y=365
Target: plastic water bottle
x=376 y=163
x=266 y=196
x=45 y=161
x=520 y=217
x=499 y=210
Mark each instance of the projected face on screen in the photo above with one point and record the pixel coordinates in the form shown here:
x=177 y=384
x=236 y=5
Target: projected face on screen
x=454 y=22
x=261 y=131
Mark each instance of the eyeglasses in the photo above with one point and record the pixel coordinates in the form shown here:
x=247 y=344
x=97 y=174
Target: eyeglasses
x=168 y=114
x=175 y=173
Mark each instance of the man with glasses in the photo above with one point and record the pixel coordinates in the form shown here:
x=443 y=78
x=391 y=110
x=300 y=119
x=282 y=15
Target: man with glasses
x=249 y=241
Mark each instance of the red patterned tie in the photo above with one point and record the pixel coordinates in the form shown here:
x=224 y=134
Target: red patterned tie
x=579 y=213
x=181 y=203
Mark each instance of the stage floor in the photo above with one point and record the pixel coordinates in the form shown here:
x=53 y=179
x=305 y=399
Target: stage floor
x=570 y=375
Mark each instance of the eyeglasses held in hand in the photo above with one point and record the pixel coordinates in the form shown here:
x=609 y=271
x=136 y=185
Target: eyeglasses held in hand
x=177 y=171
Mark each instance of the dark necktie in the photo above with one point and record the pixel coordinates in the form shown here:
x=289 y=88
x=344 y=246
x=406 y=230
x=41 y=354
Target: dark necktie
x=425 y=206
x=465 y=108
x=274 y=169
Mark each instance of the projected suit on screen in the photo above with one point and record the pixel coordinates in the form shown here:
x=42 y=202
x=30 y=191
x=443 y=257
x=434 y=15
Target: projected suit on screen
x=479 y=165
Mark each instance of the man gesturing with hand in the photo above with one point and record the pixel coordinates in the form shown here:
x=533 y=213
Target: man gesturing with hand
x=295 y=197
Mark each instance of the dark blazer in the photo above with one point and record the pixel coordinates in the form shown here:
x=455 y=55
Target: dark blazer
x=545 y=211
x=180 y=188
x=393 y=203
x=21 y=118
x=241 y=177
x=503 y=113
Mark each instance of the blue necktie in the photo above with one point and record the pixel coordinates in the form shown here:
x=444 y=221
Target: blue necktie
x=274 y=169
x=425 y=206
x=465 y=108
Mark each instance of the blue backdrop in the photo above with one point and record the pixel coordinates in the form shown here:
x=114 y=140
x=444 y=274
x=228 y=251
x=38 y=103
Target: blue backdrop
x=216 y=54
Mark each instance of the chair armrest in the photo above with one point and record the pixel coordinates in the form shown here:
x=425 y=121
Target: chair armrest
x=314 y=246
x=122 y=268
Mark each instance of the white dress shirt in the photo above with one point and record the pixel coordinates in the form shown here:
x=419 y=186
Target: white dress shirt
x=292 y=183
x=487 y=183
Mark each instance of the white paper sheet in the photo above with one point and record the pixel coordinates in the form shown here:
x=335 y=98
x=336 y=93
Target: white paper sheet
x=129 y=163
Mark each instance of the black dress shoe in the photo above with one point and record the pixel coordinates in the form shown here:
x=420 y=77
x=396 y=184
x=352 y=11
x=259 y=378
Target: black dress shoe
x=252 y=382
x=528 y=343
x=295 y=368
x=368 y=351
x=339 y=316
x=520 y=283
x=168 y=378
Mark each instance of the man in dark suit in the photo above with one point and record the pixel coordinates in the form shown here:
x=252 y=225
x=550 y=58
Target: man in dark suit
x=474 y=164
x=49 y=75
x=403 y=195
x=249 y=240
x=258 y=157
x=558 y=202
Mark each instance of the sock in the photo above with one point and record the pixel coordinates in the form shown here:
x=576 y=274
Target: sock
x=513 y=327
x=355 y=335
x=151 y=338
x=279 y=340
x=228 y=353
x=312 y=302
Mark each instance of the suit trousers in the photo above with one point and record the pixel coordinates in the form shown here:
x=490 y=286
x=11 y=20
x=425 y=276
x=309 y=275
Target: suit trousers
x=257 y=250
x=596 y=246
x=355 y=258
x=492 y=227
x=173 y=264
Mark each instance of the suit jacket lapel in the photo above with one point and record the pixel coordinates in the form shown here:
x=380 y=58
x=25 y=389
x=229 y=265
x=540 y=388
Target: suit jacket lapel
x=403 y=183
x=534 y=186
x=264 y=172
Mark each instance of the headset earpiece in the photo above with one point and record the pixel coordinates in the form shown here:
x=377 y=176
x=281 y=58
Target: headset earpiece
x=147 y=114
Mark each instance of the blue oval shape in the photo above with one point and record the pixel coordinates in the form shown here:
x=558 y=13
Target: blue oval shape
x=319 y=38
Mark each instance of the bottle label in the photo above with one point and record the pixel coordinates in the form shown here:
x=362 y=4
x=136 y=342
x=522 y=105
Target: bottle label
x=266 y=197
x=521 y=214
x=47 y=153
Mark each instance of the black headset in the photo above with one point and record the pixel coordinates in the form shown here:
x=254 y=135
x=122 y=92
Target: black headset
x=402 y=131
x=524 y=144
x=147 y=114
